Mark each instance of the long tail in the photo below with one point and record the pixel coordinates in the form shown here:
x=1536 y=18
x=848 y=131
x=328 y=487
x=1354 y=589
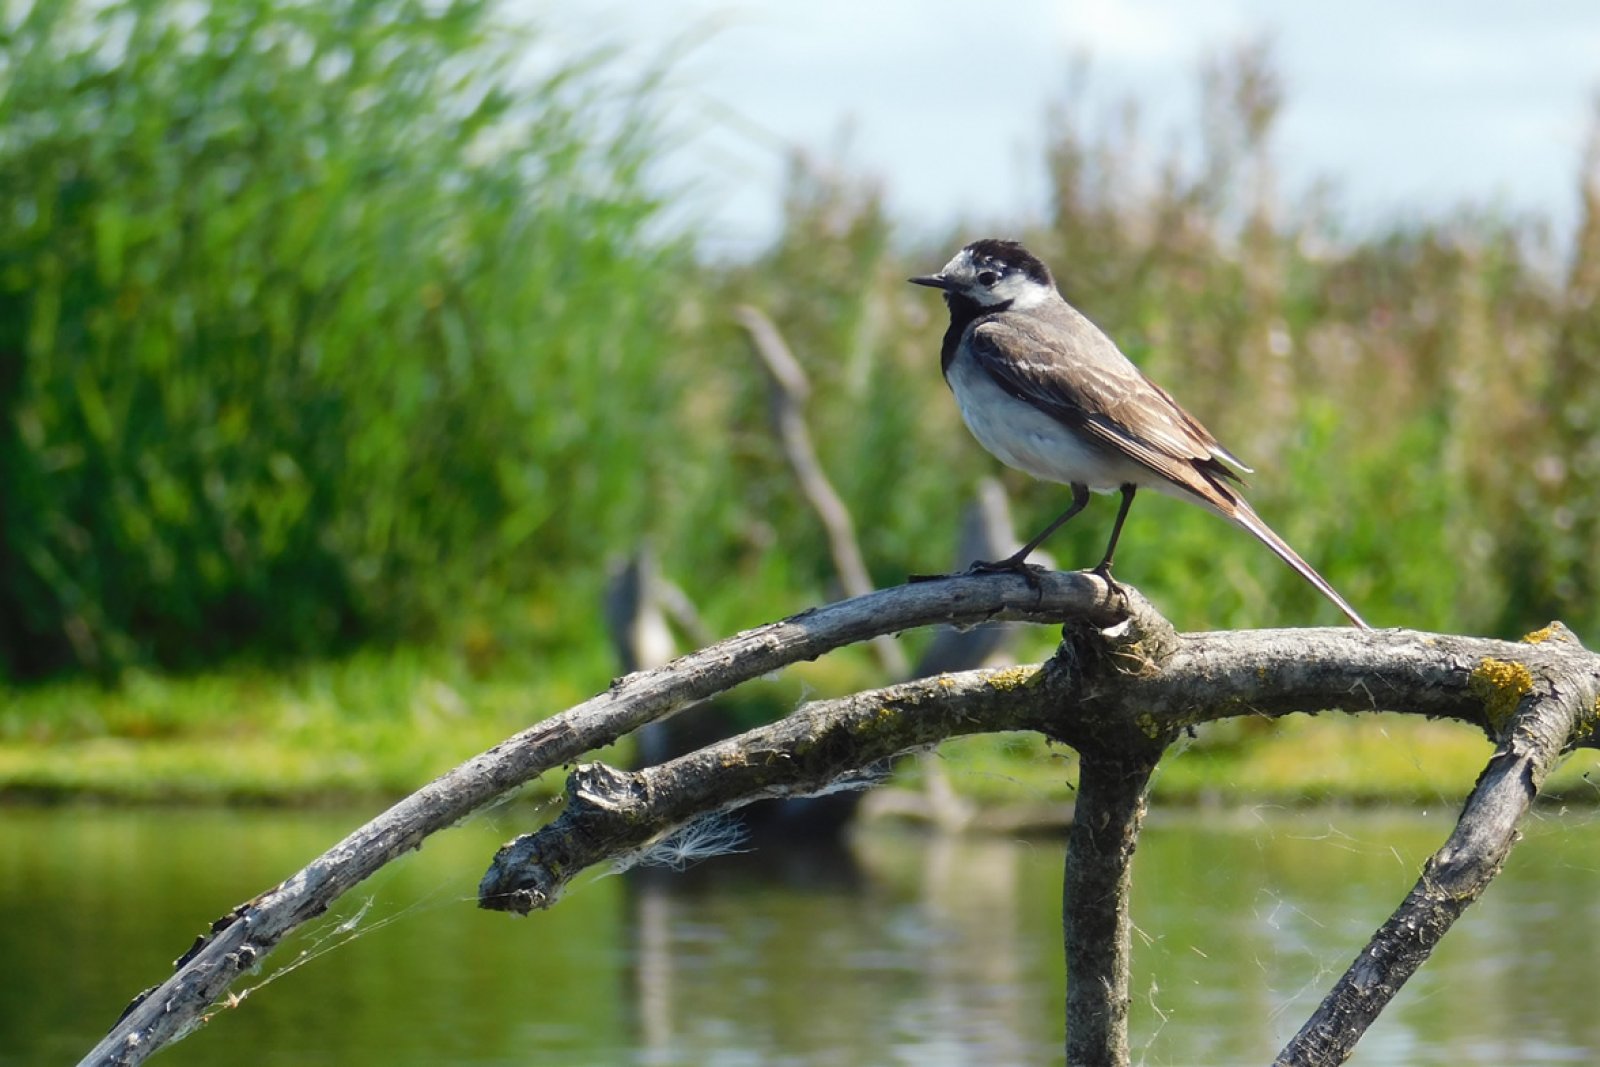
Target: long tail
x=1245 y=516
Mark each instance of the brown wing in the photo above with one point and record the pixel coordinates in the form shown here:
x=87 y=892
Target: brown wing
x=1060 y=362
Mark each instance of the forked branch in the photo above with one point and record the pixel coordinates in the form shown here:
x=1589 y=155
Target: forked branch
x=1120 y=697
x=239 y=940
x=1121 y=685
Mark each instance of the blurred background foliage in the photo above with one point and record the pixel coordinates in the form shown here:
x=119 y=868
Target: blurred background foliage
x=329 y=325
x=314 y=327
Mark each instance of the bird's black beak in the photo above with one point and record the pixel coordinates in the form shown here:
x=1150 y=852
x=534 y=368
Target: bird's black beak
x=932 y=281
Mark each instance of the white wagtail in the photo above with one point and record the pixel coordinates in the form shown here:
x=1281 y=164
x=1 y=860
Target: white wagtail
x=1044 y=390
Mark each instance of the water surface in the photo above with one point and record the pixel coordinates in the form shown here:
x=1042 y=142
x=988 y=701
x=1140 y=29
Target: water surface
x=897 y=949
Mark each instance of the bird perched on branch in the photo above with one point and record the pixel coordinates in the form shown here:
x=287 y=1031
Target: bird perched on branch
x=1044 y=390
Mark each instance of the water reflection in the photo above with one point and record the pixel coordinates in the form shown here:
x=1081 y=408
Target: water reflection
x=895 y=949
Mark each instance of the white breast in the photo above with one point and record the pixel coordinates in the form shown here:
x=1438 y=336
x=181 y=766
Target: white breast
x=1030 y=440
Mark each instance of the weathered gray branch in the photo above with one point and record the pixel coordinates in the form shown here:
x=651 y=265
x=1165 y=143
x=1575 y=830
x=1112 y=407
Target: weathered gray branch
x=1554 y=709
x=1126 y=705
x=1121 y=678
x=240 y=939
x=611 y=813
x=1095 y=923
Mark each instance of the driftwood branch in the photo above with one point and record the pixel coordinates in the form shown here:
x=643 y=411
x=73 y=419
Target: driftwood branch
x=239 y=940
x=1119 y=688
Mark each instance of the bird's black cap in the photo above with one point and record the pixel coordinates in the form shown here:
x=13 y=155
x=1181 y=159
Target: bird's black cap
x=1011 y=254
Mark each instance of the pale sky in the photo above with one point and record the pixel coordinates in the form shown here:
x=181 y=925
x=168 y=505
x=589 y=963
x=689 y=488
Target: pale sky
x=1407 y=109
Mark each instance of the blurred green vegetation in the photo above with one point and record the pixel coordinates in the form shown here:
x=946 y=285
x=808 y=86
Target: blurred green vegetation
x=338 y=338
x=315 y=327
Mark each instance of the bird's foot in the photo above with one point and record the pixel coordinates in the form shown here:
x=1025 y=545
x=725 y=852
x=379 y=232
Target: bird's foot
x=1030 y=572
x=1104 y=571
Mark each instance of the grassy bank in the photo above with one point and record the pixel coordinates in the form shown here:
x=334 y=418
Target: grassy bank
x=378 y=725
x=379 y=722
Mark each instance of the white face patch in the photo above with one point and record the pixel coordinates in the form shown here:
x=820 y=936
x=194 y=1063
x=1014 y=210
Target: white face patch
x=1022 y=291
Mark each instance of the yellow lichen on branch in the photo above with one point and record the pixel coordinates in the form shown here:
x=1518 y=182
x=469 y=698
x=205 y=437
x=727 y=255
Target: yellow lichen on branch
x=1012 y=678
x=1501 y=685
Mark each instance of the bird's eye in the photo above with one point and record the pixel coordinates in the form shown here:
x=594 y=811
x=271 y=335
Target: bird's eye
x=988 y=278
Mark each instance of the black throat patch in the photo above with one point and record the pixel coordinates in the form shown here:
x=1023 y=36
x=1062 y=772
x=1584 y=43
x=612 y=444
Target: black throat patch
x=964 y=311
